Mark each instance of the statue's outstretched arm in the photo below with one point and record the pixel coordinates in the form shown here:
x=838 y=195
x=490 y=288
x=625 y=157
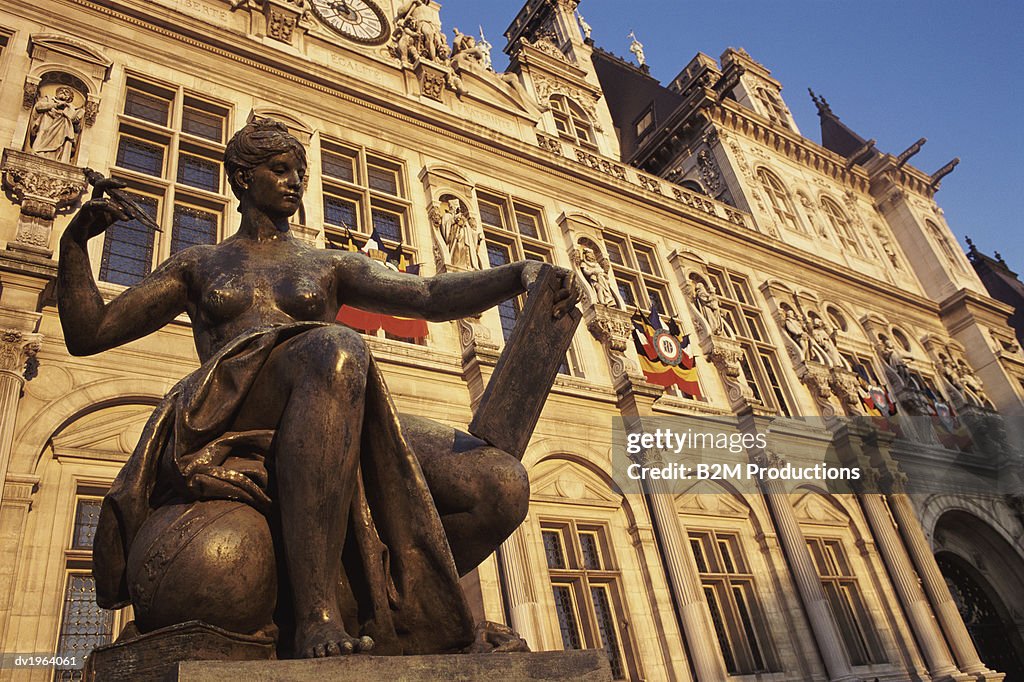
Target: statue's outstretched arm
x=90 y=325
x=447 y=296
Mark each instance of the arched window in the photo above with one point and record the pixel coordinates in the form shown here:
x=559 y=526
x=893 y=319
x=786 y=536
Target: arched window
x=777 y=194
x=841 y=226
x=947 y=248
x=572 y=122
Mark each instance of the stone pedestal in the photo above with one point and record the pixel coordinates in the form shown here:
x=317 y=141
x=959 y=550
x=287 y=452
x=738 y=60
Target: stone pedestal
x=589 y=665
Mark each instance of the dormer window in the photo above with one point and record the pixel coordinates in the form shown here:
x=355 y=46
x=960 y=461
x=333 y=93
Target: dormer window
x=773 y=107
x=572 y=122
x=645 y=123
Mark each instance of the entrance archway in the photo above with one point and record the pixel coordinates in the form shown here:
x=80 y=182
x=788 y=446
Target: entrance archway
x=984 y=575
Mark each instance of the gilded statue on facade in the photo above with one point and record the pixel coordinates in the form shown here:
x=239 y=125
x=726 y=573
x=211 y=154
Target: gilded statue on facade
x=276 y=491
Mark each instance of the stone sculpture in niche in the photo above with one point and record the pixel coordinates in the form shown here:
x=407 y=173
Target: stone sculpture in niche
x=794 y=327
x=708 y=306
x=275 y=491
x=56 y=125
x=596 y=269
x=457 y=237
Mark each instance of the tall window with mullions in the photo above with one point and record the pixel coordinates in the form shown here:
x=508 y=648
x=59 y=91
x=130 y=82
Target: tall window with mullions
x=761 y=369
x=728 y=585
x=587 y=592
x=170 y=144
x=83 y=625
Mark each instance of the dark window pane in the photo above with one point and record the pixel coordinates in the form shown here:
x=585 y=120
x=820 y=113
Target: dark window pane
x=527 y=224
x=387 y=224
x=83 y=625
x=748 y=628
x=202 y=124
x=719 y=623
x=195 y=171
x=508 y=313
x=614 y=253
x=490 y=214
x=128 y=248
x=146 y=106
x=591 y=554
x=553 y=549
x=606 y=627
x=338 y=166
x=383 y=179
x=567 y=617
x=338 y=211
x=498 y=254
x=626 y=291
x=87 y=514
x=698 y=555
x=192 y=227
x=140 y=156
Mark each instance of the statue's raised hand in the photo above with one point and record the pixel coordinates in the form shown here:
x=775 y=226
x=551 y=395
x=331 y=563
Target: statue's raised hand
x=100 y=212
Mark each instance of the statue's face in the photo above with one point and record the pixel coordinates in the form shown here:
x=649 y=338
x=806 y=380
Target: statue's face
x=276 y=185
x=65 y=94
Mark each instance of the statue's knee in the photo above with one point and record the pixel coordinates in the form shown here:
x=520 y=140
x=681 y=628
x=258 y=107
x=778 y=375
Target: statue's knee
x=334 y=352
x=508 y=493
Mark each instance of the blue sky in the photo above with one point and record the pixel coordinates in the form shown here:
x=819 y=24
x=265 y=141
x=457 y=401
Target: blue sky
x=893 y=70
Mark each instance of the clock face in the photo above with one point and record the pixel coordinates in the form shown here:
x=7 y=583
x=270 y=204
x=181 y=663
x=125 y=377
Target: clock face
x=358 y=20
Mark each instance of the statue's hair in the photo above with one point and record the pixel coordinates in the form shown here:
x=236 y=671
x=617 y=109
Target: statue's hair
x=256 y=143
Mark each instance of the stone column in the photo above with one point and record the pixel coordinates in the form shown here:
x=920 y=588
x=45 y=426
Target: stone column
x=935 y=586
x=908 y=587
x=17 y=363
x=808 y=583
x=526 y=612
x=685 y=581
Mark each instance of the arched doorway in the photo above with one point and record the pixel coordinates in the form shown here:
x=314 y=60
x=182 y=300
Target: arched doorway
x=984 y=574
x=982 y=611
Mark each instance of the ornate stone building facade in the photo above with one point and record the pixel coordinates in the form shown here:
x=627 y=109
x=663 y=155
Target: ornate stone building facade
x=816 y=282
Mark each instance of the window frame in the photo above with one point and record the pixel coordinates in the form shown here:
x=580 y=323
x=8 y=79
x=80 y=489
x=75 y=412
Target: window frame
x=171 y=189
x=780 y=199
x=760 y=360
x=581 y=582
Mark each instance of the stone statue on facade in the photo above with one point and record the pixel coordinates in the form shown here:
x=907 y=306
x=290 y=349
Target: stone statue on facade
x=485 y=50
x=709 y=308
x=275 y=491
x=972 y=386
x=823 y=342
x=898 y=363
x=584 y=26
x=457 y=237
x=637 y=48
x=467 y=53
x=56 y=125
x=418 y=33
x=794 y=328
x=596 y=269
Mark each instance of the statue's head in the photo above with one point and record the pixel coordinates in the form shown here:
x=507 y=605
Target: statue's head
x=256 y=143
x=65 y=94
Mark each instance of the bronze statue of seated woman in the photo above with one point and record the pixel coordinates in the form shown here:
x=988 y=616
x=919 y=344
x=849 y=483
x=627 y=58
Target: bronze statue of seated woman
x=275 y=489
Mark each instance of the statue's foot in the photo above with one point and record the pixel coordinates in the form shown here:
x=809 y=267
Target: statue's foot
x=495 y=637
x=319 y=640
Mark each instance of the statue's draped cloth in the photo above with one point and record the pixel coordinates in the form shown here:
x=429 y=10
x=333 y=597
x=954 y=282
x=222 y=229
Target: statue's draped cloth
x=400 y=585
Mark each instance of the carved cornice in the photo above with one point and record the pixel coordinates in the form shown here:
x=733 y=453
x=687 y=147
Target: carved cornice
x=739 y=119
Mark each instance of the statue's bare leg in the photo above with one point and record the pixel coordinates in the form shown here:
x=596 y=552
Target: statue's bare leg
x=481 y=493
x=311 y=390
